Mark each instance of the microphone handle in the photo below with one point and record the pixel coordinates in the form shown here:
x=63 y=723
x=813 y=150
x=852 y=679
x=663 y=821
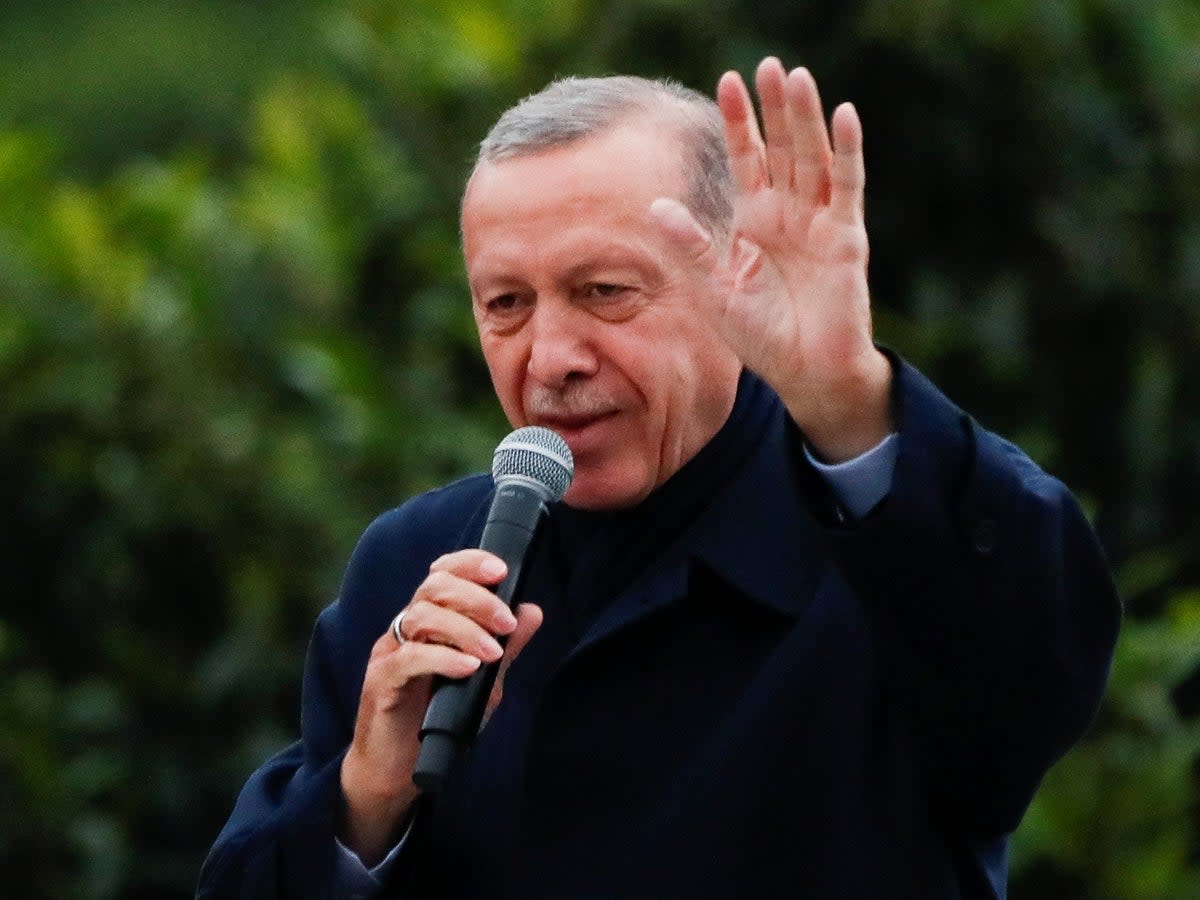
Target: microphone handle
x=456 y=708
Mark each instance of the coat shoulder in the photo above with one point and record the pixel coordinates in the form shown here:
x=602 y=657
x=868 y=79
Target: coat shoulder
x=406 y=539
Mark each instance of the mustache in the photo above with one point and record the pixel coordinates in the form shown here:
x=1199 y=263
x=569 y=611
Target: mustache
x=574 y=400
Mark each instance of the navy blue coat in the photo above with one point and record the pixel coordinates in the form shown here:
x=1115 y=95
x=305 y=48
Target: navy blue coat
x=780 y=706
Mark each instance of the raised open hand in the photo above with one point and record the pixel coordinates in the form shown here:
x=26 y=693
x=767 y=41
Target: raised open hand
x=794 y=304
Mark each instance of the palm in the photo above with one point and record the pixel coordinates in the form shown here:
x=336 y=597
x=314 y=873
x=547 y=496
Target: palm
x=798 y=304
x=797 y=297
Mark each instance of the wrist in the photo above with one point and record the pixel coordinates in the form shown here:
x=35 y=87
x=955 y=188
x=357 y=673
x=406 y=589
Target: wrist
x=372 y=815
x=845 y=419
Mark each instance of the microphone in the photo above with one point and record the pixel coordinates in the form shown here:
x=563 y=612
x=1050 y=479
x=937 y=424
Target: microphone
x=531 y=467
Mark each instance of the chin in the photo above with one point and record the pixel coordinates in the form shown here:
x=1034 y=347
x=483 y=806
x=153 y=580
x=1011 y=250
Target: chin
x=590 y=492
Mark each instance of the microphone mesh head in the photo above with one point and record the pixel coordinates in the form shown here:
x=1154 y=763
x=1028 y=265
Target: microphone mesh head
x=538 y=455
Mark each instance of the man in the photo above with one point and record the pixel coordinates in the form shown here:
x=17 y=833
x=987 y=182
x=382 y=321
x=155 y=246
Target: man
x=800 y=627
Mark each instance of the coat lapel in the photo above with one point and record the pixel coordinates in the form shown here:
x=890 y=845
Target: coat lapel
x=756 y=535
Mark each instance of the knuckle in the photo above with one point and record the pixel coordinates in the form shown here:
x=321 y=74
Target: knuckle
x=420 y=631
x=383 y=646
x=439 y=584
x=848 y=248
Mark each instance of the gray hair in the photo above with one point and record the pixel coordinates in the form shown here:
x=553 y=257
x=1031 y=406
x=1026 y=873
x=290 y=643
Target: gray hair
x=572 y=108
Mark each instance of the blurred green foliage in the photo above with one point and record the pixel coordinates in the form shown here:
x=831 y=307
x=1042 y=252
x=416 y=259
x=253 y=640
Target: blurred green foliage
x=233 y=328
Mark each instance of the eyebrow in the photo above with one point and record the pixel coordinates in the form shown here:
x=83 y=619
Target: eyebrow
x=588 y=268
x=616 y=255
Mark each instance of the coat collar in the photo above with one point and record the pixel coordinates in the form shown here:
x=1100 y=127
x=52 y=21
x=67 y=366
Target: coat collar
x=756 y=535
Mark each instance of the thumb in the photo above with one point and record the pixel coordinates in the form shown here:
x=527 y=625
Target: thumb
x=682 y=230
x=529 y=619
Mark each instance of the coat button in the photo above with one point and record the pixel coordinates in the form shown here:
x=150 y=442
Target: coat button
x=984 y=535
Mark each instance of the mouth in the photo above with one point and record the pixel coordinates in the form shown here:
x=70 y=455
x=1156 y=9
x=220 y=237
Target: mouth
x=575 y=429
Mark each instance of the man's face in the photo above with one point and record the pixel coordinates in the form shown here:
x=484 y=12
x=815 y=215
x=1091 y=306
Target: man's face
x=589 y=318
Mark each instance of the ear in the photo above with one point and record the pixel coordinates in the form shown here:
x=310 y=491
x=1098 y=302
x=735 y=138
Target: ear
x=745 y=262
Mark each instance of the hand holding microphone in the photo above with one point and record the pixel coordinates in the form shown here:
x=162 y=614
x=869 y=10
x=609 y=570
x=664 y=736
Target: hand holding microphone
x=452 y=628
x=531 y=467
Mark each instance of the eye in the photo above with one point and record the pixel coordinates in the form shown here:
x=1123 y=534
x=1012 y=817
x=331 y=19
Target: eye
x=612 y=301
x=606 y=291
x=503 y=312
x=501 y=304
x=506 y=306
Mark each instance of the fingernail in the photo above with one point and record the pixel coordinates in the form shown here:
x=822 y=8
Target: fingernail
x=665 y=208
x=505 y=620
x=492 y=568
x=493 y=649
x=674 y=217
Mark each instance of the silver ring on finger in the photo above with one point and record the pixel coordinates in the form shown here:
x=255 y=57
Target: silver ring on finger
x=397 y=633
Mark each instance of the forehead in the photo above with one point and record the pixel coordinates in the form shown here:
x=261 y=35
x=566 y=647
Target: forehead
x=603 y=181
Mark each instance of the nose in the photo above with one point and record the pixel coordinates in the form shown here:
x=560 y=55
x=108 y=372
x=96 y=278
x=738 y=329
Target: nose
x=561 y=348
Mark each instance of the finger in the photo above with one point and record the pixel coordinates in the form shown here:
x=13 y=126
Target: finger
x=742 y=139
x=444 y=588
x=769 y=81
x=397 y=669
x=847 y=171
x=529 y=619
x=684 y=232
x=810 y=138
x=479 y=566
x=429 y=623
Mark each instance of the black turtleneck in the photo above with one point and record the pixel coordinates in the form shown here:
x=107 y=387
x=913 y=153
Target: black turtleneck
x=592 y=556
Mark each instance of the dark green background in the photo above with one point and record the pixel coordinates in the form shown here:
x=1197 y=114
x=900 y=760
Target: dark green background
x=233 y=328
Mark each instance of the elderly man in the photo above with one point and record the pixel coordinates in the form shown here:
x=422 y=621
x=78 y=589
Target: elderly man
x=800 y=626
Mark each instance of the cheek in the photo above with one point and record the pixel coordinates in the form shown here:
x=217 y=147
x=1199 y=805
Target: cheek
x=506 y=367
